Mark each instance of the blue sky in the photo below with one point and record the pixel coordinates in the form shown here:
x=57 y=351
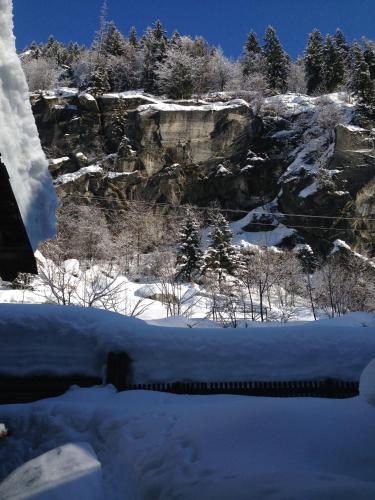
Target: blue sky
x=221 y=22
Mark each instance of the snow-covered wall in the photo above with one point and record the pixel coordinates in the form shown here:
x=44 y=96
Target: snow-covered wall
x=19 y=140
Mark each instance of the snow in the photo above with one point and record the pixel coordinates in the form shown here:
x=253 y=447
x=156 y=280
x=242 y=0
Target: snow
x=57 y=161
x=262 y=238
x=154 y=445
x=131 y=94
x=342 y=245
x=367 y=383
x=355 y=128
x=309 y=190
x=48 y=339
x=69 y=471
x=19 y=141
x=294 y=104
x=72 y=177
x=216 y=106
x=87 y=96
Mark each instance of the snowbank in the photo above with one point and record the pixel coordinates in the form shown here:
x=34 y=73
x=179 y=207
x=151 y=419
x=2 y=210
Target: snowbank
x=69 y=471
x=154 y=445
x=19 y=141
x=71 y=340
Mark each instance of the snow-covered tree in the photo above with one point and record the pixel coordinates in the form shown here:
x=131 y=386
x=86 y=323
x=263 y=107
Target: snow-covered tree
x=174 y=73
x=41 y=73
x=133 y=37
x=99 y=81
x=314 y=62
x=296 y=77
x=221 y=71
x=277 y=62
x=250 y=58
x=189 y=254
x=154 y=44
x=360 y=82
x=113 y=42
x=220 y=258
x=369 y=55
x=341 y=43
x=334 y=66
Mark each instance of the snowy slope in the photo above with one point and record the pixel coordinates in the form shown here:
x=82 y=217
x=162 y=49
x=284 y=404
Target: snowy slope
x=66 y=340
x=19 y=141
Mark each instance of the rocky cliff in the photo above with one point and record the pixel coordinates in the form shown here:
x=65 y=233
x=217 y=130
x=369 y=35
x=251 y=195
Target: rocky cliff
x=308 y=157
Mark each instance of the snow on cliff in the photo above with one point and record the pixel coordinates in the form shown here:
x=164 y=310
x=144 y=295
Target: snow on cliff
x=19 y=141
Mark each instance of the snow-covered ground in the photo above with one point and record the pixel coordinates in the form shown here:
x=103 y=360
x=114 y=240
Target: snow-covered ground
x=146 y=446
x=19 y=140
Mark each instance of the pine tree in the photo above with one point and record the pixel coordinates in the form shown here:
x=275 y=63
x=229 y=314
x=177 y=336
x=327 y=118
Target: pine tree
x=341 y=44
x=369 y=55
x=99 y=82
x=277 y=62
x=334 y=68
x=221 y=256
x=189 y=254
x=118 y=124
x=113 y=42
x=155 y=47
x=175 y=40
x=360 y=82
x=133 y=38
x=252 y=51
x=314 y=62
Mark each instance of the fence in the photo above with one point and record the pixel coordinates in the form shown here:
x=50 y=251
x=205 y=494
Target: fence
x=325 y=388
x=27 y=389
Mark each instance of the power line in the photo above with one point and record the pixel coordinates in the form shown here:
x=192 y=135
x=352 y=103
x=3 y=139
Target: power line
x=230 y=210
x=293 y=226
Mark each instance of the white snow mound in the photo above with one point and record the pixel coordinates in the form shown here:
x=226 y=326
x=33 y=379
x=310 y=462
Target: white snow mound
x=19 y=141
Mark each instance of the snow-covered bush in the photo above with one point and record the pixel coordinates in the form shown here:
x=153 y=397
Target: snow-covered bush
x=41 y=74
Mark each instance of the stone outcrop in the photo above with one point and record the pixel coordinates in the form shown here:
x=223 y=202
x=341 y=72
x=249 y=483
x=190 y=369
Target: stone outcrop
x=203 y=153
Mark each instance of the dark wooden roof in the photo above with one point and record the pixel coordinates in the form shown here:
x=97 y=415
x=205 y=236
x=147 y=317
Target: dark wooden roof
x=16 y=254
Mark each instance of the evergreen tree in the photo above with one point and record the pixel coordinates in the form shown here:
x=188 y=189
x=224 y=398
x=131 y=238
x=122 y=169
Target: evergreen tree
x=252 y=51
x=221 y=256
x=314 y=62
x=341 y=44
x=154 y=44
x=99 y=82
x=334 y=67
x=175 y=40
x=133 y=38
x=118 y=125
x=369 y=55
x=277 y=62
x=360 y=82
x=189 y=254
x=113 y=42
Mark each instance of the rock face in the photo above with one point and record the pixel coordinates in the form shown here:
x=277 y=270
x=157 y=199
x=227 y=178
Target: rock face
x=133 y=146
